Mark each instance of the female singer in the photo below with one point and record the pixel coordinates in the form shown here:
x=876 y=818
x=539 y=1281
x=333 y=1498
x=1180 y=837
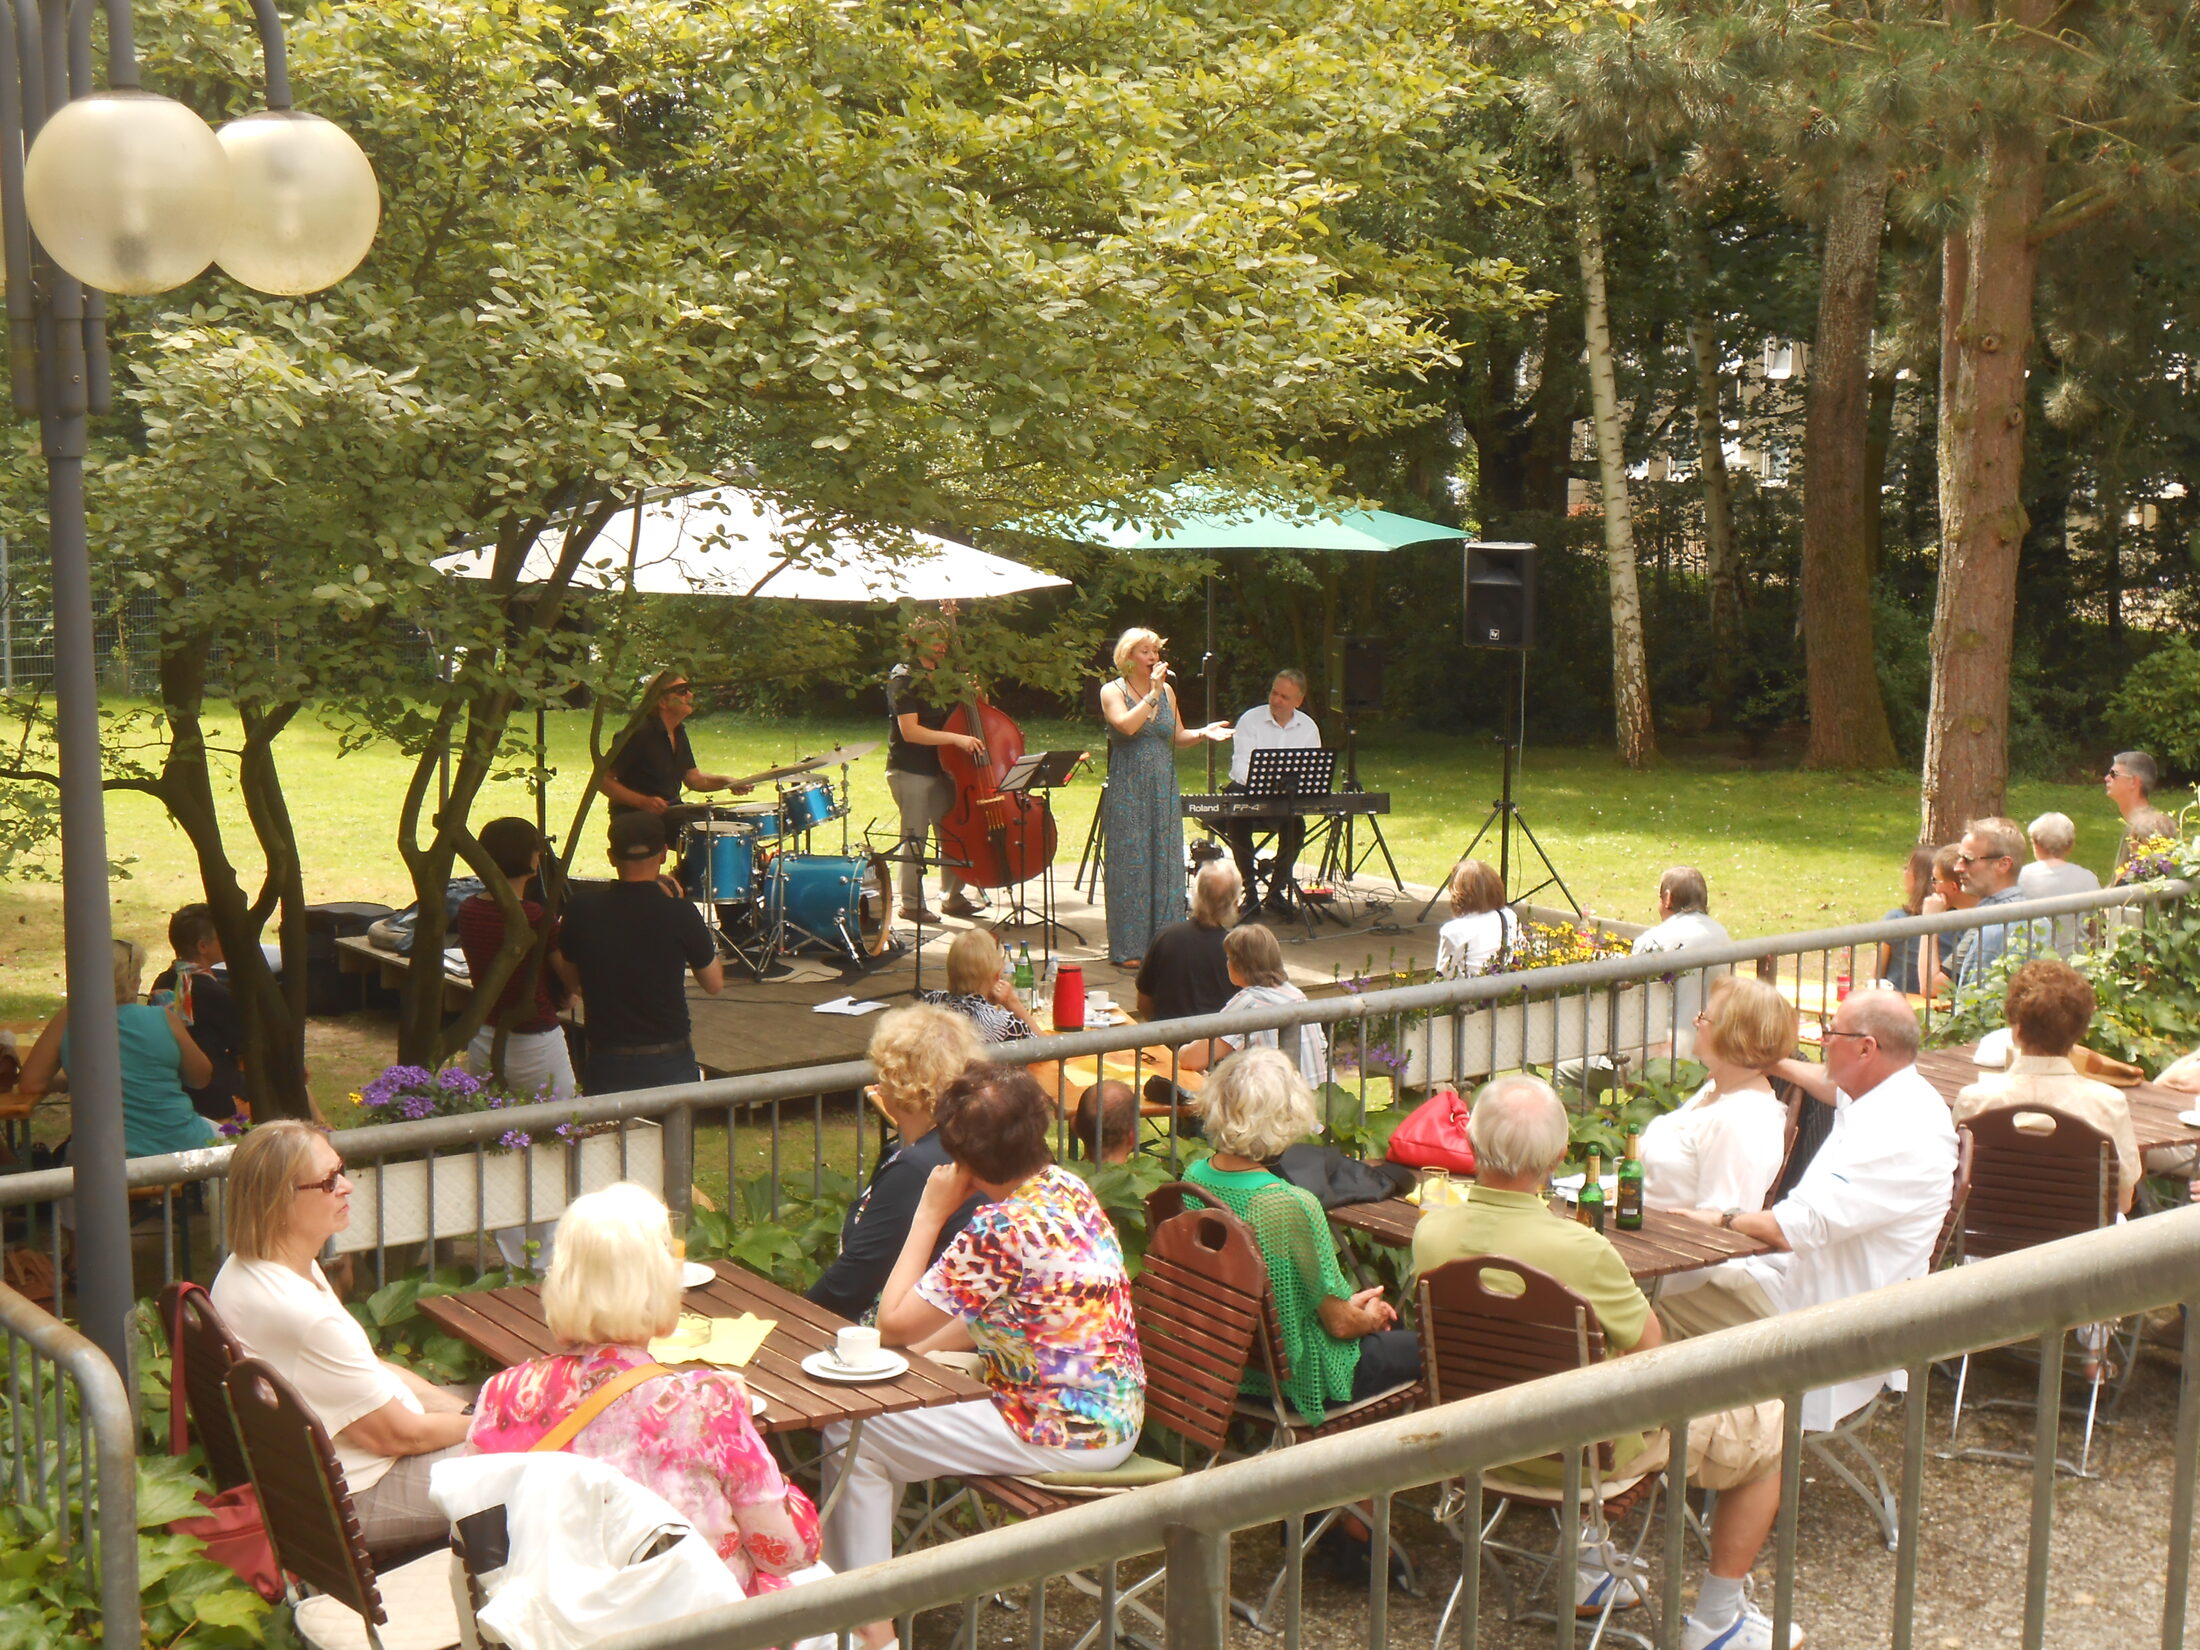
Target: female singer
x=1145 y=836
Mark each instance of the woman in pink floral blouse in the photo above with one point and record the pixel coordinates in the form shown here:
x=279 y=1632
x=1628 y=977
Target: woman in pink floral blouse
x=613 y=1286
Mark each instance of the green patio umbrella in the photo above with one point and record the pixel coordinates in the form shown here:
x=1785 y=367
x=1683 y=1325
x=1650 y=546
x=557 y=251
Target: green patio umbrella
x=1208 y=518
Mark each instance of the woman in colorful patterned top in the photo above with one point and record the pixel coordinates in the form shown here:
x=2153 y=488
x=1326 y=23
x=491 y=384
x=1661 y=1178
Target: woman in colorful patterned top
x=1339 y=1341
x=613 y=1287
x=1035 y=1285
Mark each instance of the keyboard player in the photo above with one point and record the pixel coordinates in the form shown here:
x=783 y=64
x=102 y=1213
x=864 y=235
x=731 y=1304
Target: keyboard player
x=1277 y=725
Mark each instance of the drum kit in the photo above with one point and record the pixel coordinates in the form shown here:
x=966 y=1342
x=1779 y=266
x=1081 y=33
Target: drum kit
x=749 y=865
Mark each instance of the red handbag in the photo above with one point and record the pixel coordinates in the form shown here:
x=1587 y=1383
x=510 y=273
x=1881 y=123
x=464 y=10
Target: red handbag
x=1434 y=1135
x=232 y=1525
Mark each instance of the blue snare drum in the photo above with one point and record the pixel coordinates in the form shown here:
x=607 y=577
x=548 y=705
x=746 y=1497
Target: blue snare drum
x=839 y=903
x=804 y=807
x=719 y=860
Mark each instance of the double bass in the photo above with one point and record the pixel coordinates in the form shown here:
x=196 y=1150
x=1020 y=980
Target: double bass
x=1006 y=839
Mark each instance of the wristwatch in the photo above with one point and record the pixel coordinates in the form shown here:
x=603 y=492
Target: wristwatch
x=1726 y=1218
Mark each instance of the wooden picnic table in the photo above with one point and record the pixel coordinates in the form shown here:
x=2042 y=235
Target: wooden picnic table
x=2154 y=1108
x=507 y=1326
x=1668 y=1242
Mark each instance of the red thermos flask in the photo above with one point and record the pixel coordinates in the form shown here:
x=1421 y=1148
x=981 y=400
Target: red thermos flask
x=1069 y=997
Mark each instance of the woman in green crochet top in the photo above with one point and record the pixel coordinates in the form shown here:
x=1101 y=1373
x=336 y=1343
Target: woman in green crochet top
x=1340 y=1342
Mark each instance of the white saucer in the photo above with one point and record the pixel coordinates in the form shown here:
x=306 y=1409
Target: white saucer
x=756 y=1403
x=694 y=1274
x=827 y=1367
x=2191 y=1119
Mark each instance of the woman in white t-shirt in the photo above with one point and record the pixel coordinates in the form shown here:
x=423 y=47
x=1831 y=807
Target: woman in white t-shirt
x=1255 y=960
x=1722 y=1148
x=1482 y=927
x=287 y=1196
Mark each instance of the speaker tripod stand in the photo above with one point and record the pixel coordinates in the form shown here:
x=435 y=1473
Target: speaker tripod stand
x=1506 y=815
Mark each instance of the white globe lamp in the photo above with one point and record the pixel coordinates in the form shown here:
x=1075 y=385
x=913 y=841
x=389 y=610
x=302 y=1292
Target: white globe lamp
x=128 y=191
x=306 y=204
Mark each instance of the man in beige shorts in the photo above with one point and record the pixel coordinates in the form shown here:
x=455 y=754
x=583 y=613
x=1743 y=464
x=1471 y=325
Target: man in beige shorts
x=1519 y=1129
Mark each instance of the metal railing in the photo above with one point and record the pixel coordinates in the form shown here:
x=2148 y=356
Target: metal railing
x=1594 y=1021
x=2039 y=1293
x=69 y=1451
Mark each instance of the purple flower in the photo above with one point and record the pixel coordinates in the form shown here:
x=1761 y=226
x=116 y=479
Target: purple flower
x=394 y=1082
x=458 y=1080
x=231 y=1128
x=515 y=1140
x=417 y=1106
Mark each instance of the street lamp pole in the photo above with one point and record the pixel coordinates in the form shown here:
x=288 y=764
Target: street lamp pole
x=130 y=192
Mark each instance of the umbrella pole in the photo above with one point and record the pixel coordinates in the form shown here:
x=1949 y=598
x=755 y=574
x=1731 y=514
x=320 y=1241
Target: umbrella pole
x=1207 y=670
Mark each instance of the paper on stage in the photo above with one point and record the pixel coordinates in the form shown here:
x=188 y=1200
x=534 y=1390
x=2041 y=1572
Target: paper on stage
x=847 y=1005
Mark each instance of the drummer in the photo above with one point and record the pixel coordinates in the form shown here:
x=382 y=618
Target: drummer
x=657 y=761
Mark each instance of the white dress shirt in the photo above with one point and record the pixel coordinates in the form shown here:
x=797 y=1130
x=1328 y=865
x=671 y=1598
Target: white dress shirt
x=1677 y=933
x=1867 y=1213
x=1258 y=730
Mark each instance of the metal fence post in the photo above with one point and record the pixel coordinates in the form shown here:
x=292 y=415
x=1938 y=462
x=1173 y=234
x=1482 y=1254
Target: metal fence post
x=679 y=1147
x=1199 y=1587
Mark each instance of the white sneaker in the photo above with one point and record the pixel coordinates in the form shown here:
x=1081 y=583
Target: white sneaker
x=1594 y=1585
x=1750 y=1630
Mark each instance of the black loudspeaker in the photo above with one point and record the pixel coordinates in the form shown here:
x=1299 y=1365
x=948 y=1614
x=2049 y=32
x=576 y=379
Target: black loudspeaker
x=1357 y=675
x=1500 y=595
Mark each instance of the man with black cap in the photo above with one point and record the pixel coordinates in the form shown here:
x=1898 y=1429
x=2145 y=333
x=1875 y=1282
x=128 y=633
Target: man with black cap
x=625 y=948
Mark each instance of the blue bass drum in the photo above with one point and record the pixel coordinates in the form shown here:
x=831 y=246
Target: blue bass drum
x=718 y=860
x=838 y=903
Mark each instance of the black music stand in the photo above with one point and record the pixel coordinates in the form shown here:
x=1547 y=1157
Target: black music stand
x=1040 y=773
x=1285 y=774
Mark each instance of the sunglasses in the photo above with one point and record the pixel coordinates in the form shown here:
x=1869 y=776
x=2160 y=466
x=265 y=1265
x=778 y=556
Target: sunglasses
x=1863 y=1035
x=328 y=1185
x=683 y=691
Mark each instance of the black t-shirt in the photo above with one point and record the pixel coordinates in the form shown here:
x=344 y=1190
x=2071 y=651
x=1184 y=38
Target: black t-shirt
x=209 y=1012
x=904 y=697
x=1185 y=972
x=634 y=944
x=653 y=764
x=878 y=1221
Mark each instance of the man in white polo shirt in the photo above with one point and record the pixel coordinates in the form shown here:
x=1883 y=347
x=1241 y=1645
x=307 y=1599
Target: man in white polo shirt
x=1275 y=726
x=1868 y=1210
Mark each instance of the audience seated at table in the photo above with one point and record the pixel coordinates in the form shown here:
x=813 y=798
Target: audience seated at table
x=1342 y=1343
x=1256 y=969
x=1987 y=860
x=1185 y=972
x=2048 y=1008
x=1868 y=1210
x=1482 y=927
x=2051 y=873
x=978 y=987
x=1722 y=1147
x=1684 y=922
x=917 y=1051
x=1035 y=1284
x=287 y=1196
x=159 y=1062
x=197 y=985
x=1520 y=1131
x=1105 y=1125
x=686 y=1433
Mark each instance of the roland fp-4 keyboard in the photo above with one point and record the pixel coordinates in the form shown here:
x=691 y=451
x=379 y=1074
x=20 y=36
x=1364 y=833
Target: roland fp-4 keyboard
x=1223 y=805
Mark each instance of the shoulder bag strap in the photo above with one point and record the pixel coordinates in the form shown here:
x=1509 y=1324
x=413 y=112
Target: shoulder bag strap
x=596 y=1403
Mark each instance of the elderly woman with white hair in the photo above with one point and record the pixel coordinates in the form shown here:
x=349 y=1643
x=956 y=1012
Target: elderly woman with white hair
x=1341 y=1342
x=1145 y=859
x=686 y=1434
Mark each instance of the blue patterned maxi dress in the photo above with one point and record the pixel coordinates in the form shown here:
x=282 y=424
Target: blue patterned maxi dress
x=1145 y=836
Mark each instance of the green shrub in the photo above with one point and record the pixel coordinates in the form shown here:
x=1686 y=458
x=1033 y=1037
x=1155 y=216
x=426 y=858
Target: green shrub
x=2158 y=708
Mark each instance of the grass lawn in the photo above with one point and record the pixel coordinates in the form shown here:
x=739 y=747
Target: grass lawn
x=1783 y=850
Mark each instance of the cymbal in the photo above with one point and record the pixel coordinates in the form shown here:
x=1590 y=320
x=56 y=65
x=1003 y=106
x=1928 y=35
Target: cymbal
x=810 y=764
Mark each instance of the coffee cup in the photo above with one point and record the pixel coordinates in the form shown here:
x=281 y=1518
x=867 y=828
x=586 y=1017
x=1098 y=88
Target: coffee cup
x=1098 y=1002
x=857 y=1347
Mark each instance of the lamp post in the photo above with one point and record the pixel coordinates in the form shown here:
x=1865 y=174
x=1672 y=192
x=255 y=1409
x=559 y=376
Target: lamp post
x=121 y=190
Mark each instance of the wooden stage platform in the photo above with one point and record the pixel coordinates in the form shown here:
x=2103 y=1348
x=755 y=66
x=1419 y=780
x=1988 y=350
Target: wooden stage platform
x=765 y=1025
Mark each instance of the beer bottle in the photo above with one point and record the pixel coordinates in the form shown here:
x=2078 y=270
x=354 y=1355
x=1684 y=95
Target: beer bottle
x=1592 y=1194
x=1630 y=1186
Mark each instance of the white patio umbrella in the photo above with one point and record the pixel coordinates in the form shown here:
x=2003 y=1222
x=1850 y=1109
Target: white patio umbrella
x=725 y=541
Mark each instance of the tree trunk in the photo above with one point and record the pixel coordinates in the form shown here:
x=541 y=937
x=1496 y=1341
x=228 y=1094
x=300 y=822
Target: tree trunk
x=1848 y=719
x=1989 y=275
x=1633 y=730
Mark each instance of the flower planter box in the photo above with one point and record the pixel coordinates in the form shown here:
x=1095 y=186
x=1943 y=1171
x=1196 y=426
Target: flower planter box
x=1461 y=1048
x=391 y=1204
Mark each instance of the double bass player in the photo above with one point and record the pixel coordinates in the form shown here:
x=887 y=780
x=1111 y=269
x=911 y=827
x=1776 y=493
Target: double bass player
x=915 y=732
